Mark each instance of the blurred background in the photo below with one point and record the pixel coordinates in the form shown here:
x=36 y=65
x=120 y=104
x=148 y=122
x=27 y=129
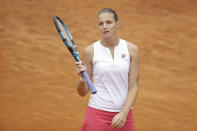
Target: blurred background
x=37 y=74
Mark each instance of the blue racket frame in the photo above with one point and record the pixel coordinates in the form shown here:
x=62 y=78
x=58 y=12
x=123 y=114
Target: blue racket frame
x=74 y=52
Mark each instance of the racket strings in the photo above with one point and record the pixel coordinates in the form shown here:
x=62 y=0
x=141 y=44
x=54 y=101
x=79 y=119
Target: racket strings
x=66 y=36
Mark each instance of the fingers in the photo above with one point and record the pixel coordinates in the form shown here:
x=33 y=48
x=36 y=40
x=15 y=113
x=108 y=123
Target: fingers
x=117 y=124
x=80 y=66
x=79 y=63
x=118 y=121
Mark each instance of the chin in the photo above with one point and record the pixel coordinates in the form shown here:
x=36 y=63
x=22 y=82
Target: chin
x=107 y=36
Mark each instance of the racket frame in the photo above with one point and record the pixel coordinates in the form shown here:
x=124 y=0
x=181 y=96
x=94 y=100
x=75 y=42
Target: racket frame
x=73 y=50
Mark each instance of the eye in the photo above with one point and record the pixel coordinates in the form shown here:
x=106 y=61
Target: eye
x=108 y=22
x=100 y=23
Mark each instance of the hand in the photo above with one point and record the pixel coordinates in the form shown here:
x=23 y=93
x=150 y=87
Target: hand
x=80 y=66
x=119 y=120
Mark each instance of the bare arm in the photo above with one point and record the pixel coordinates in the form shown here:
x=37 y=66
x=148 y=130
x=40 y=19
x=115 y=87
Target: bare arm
x=133 y=78
x=120 y=118
x=82 y=87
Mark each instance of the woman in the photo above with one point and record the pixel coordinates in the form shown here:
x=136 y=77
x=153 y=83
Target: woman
x=113 y=64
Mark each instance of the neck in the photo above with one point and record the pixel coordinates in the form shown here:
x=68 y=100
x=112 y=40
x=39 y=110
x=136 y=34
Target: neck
x=110 y=42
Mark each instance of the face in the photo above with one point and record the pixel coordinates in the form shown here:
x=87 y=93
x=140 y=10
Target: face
x=107 y=24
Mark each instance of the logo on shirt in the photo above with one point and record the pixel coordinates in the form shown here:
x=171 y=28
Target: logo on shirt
x=123 y=56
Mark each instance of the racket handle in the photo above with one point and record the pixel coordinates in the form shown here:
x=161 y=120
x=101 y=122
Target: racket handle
x=88 y=81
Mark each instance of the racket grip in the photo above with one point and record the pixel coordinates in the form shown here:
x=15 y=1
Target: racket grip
x=88 y=81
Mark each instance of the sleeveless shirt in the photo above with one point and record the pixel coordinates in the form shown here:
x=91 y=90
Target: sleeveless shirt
x=110 y=76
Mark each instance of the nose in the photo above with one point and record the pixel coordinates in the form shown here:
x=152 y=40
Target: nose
x=104 y=25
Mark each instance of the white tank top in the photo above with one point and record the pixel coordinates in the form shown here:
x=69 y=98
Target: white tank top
x=110 y=77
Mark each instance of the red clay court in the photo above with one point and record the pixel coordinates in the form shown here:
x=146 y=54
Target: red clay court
x=37 y=77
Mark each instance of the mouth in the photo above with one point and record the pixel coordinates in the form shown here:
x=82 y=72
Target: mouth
x=105 y=32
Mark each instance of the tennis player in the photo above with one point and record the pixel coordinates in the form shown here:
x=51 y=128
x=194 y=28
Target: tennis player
x=112 y=63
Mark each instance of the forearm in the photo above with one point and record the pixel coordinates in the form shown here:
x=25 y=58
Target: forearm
x=82 y=88
x=131 y=98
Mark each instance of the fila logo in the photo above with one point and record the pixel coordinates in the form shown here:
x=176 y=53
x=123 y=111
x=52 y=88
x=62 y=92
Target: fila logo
x=123 y=56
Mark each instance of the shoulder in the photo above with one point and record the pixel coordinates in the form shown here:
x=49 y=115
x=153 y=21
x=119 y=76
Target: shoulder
x=88 y=53
x=89 y=50
x=133 y=49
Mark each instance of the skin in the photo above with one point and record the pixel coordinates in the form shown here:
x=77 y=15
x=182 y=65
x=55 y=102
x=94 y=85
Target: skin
x=108 y=28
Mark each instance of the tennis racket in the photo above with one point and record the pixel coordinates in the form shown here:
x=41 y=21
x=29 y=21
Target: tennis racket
x=70 y=44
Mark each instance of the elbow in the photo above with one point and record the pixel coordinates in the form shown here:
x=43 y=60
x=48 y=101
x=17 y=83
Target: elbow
x=82 y=91
x=134 y=88
x=82 y=94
